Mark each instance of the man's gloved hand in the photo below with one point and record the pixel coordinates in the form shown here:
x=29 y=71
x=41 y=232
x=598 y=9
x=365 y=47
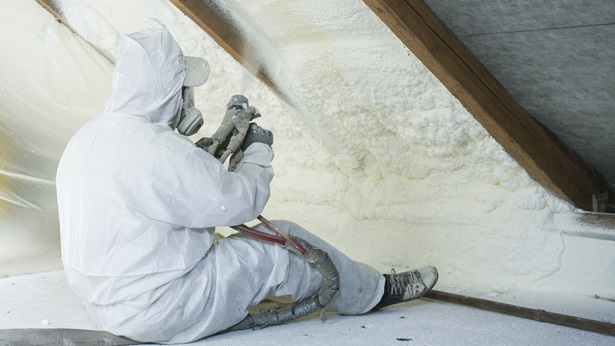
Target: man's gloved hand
x=257 y=134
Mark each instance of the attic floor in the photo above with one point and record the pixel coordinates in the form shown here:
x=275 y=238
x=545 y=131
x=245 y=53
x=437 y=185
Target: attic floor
x=44 y=301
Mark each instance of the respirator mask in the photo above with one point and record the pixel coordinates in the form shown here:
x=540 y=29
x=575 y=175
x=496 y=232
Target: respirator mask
x=190 y=118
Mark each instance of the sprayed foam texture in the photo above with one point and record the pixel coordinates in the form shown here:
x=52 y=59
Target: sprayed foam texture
x=374 y=155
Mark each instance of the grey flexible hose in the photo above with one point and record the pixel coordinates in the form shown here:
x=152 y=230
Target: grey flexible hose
x=316 y=302
x=40 y=337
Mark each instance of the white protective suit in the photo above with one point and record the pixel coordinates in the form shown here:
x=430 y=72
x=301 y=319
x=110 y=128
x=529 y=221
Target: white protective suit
x=138 y=205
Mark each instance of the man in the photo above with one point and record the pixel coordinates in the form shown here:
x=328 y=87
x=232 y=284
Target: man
x=139 y=202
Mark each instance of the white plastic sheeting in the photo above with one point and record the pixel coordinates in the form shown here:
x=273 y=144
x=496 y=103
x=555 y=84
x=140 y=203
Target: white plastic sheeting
x=45 y=96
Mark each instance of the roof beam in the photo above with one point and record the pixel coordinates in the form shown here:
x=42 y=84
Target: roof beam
x=50 y=6
x=218 y=25
x=547 y=159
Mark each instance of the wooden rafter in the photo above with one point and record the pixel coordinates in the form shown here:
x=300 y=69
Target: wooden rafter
x=50 y=6
x=543 y=155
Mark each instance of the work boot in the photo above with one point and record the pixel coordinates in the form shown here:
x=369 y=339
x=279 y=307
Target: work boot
x=406 y=286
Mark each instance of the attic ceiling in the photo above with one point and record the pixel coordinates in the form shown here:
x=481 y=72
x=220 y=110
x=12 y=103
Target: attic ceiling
x=545 y=157
x=557 y=60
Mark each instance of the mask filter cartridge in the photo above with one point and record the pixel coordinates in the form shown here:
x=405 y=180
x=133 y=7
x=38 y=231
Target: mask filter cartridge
x=191 y=119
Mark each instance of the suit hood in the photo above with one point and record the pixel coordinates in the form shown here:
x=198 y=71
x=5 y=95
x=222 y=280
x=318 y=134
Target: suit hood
x=148 y=76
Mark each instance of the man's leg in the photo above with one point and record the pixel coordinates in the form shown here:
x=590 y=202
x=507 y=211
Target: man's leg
x=250 y=270
x=243 y=271
x=361 y=286
x=237 y=273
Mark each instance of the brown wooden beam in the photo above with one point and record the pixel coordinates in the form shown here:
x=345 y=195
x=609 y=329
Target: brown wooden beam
x=50 y=6
x=523 y=312
x=218 y=25
x=543 y=155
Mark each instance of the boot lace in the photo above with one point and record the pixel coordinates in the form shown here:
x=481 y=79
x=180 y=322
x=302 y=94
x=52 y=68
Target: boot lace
x=405 y=284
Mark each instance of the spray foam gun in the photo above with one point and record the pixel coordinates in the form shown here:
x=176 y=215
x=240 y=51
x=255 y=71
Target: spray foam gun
x=226 y=142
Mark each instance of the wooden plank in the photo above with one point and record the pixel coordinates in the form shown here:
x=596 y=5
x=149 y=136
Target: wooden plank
x=543 y=155
x=523 y=312
x=50 y=6
x=218 y=25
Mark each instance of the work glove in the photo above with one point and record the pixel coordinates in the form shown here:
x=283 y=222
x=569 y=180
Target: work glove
x=257 y=134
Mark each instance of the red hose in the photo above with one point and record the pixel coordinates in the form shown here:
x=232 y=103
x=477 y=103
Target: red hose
x=282 y=239
x=259 y=234
x=282 y=234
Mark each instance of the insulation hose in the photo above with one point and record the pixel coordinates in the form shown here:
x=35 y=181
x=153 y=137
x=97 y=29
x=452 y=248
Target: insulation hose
x=316 y=302
x=61 y=337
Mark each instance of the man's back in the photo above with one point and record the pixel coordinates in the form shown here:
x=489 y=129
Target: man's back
x=118 y=193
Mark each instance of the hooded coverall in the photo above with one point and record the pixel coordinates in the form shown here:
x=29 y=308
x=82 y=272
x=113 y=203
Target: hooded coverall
x=138 y=205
